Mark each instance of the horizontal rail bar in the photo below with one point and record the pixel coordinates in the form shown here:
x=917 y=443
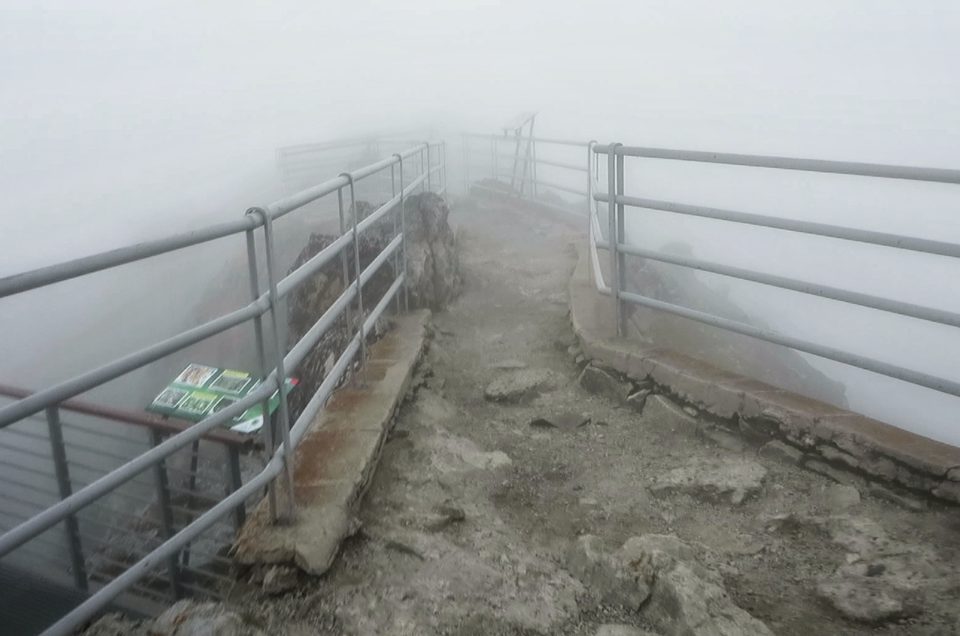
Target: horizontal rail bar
x=171 y=426
x=547 y=162
x=830 y=353
x=927 y=246
x=50 y=274
x=120 y=475
x=546 y=183
x=539 y=140
x=38 y=401
x=854 y=168
x=834 y=293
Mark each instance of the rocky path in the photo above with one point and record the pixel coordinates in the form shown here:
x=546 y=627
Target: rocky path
x=510 y=500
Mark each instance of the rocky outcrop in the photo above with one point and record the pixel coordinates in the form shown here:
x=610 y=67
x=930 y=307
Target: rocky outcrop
x=729 y=478
x=657 y=575
x=433 y=263
x=433 y=280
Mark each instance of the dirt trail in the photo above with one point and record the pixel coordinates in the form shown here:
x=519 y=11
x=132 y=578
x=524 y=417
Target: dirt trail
x=466 y=524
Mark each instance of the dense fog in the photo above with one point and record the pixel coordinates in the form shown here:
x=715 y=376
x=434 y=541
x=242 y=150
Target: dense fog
x=121 y=122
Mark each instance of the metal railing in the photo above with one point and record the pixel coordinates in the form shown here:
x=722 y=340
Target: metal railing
x=612 y=238
x=280 y=439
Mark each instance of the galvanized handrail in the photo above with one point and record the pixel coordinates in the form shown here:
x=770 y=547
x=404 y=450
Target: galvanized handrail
x=618 y=248
x=616 y=202
x=272 y=375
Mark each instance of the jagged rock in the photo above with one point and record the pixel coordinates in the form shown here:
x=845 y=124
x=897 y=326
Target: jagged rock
x=622 y=630
x=613 y=579
x=116 y=625
x=688 y=600
x=736 y=478
x=280 y=578
x=781 y=451
x=566 y=421
x=190 y=618
x=597 y=380
x=724 y=439
x=638 y=399
x=442 y=517
x=521 y=385
x=433 y=262
x=839 y=497
x=905 y=501
x=861 y=599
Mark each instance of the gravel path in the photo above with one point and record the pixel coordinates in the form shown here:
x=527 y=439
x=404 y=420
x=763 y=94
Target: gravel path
x=465 y=527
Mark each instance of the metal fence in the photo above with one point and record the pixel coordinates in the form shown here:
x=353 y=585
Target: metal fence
x=194 y=511
x=609 y=235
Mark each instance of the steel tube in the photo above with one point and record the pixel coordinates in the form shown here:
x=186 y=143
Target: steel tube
x=544 y=140
x=912 y=310
x=22 y=533
x=40 y=400
x=266 y=429
x=280 y=376
x=356 y=268
x=852 y=168
x=927 y=246
x=73 y=268
x=823 y=351
x=612 y=225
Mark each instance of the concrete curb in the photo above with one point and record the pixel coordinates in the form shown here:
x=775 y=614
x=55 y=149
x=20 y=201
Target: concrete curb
x=761 y=412
x=337 y=457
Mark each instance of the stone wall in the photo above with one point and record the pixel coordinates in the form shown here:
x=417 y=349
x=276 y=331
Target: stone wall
x=820 y=437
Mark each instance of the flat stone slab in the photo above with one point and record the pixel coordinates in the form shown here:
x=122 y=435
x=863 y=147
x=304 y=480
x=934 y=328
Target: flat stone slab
x=336 y=458
x=735 y=479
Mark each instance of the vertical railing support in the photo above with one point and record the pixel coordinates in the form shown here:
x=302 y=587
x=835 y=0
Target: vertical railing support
x=344 y=259
x=465 y=154
x=403 y=233
x=62 y=470
x=162 y=482
x=613 y=236
x=357 y=270
x=621 y=257
x=266 y=428
x=591 y=207
x=396 y=227
x=289 y=506
x=234 y=480
x=429 y=168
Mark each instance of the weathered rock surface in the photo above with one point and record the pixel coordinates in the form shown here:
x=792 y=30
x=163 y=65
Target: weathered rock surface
x=861 y=599
x=658 y=573
x=184 y=618
x=433 y=262
x=839 y=497
x=521 y=385
x=622 y=630
x=610 y=578
x=729 y=478
x=602 y=382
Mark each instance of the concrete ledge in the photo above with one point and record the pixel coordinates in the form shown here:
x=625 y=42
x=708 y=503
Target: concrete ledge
x=336 y=458
x=822 y=432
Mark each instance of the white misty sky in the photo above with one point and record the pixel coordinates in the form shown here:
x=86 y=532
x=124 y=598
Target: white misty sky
x=118 y=119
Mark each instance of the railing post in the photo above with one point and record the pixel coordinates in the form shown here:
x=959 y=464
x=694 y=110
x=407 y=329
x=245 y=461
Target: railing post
x=344 y=262
x=289 y=507
x=396 y=227
x=234 y=481
x=429 y=169
x=166 y=515
x=621 y=257
x=591 y=205
x=191 y=493
x=612 y=231
x=70 y=524
x=357 y=270
x=266 y=427
x=465 y=154
x=403 y=233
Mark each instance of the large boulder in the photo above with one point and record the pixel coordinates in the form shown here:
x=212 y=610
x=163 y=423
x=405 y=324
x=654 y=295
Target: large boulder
x=433 y=263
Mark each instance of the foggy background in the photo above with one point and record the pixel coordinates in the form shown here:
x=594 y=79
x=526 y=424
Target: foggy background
x=121 y=121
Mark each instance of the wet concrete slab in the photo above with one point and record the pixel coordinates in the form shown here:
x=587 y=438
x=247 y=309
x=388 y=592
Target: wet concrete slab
x=337 y=457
